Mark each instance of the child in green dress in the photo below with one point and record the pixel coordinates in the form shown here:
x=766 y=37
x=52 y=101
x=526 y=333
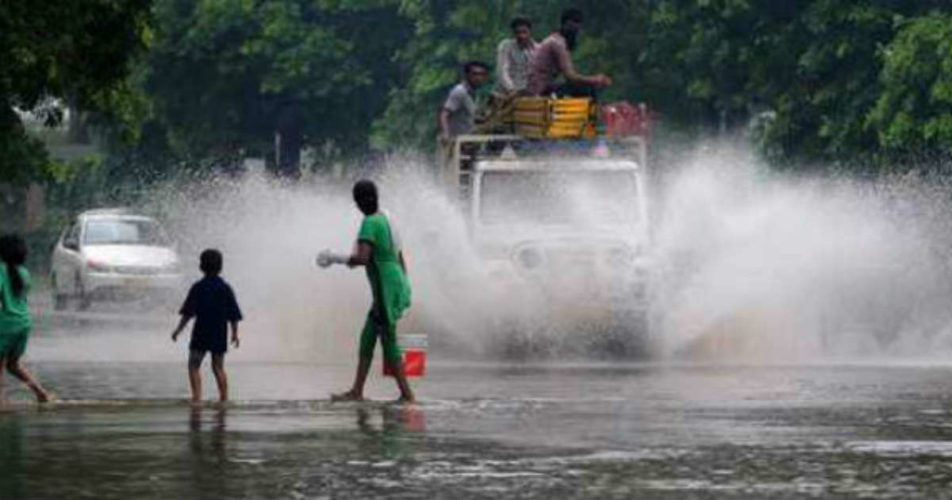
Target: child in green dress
x=379 y=252
x=15 y=319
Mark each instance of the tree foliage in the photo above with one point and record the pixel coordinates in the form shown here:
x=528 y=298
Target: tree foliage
x=827 y=81
x=813 y=66
x=914 y=110
x=76 y=51
x=832 y=77
x=224 y=75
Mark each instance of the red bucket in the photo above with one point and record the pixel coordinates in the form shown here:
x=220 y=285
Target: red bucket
x=414 y=356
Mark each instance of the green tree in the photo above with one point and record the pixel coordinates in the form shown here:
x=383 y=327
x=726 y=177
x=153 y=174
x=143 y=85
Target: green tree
x=224 y=75
x=914 y=111
x=77 y=51
x=834 y=81
x=814 y=64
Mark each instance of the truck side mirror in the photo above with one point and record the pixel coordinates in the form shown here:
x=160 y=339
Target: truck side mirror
x=71 y=243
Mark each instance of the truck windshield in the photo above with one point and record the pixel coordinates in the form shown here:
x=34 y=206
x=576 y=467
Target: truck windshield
x=124 y=232
x=556 y=198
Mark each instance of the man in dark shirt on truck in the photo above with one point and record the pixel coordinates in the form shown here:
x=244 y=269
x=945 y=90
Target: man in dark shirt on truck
x=553 y=57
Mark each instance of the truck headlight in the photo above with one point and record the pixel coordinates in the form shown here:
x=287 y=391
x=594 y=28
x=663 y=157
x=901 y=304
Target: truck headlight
x=529 y=258
x=619 y=257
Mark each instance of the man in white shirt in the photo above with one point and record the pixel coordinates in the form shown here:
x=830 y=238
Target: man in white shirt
x=513 y=56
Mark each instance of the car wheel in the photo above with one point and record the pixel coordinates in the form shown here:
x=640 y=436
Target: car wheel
x=60 y=300
x=84 y=301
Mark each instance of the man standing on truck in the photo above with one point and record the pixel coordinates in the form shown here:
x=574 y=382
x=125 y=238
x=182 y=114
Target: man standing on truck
x=553 y=57
x=458 y=114
x=513 y=56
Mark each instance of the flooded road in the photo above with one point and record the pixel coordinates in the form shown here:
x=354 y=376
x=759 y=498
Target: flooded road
x=483 y=430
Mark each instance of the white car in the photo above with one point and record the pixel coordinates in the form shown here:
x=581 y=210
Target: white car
x=113 y=254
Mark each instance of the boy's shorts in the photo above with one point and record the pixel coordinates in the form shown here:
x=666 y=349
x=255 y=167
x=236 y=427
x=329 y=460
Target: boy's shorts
x=13 y=345
x=196 y=356
x=377 y=326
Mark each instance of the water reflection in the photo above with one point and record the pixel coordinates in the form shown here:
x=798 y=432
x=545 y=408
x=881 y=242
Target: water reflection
x=389 y=437
x=208 y=449
x=214 y=440
x=394 y=420
x=12 y=467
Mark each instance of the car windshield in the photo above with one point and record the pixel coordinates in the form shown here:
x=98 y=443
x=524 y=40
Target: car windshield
x=124 y=232
x=590 y=198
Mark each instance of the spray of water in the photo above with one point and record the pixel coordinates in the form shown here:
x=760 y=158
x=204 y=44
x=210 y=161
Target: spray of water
x=270 y=233
x=750 y=265
x=769 y=268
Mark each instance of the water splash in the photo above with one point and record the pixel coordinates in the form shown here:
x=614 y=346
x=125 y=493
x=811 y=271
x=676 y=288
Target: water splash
x=752 y=265
x=771 y=268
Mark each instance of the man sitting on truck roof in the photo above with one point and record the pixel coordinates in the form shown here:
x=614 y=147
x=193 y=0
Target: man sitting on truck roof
x=459 y=111
x=553 y=57
x=513 y=56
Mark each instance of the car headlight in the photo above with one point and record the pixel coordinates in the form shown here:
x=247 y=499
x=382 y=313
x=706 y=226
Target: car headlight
x=98 y=266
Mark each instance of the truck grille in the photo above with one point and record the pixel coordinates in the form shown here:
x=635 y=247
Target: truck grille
x=590 y=273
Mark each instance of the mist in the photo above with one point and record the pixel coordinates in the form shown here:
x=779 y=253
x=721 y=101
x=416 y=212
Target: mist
x=759 y=266
x=750 y=265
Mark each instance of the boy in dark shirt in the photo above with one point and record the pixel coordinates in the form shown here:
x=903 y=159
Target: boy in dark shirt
x=212 y=303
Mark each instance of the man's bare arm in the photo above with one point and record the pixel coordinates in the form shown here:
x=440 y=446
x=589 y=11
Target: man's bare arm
x=573 y=76
x=362 y=255
x=444 y=123
x=502 y=65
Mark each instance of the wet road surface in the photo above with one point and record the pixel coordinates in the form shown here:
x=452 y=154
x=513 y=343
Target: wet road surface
x=486 y=430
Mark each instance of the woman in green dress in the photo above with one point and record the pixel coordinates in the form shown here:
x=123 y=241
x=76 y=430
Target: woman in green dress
x=15 y=319
x=378 y=251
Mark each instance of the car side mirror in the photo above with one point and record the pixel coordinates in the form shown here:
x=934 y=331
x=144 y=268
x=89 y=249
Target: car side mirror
x=71 y=243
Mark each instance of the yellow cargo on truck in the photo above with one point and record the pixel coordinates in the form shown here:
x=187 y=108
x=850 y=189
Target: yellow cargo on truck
x=545 y=118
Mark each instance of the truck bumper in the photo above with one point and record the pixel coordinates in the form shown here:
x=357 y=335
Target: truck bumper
x=113 y=285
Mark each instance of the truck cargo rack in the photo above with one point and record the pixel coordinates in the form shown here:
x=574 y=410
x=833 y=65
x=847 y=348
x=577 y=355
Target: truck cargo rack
x=456 y=158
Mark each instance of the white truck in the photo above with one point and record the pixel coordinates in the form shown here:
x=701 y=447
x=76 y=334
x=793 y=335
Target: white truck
x=563 y=230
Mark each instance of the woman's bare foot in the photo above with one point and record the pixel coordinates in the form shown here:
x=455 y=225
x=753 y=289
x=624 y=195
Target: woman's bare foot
x=44 y=396
x=347 y=396
x=409 y=399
